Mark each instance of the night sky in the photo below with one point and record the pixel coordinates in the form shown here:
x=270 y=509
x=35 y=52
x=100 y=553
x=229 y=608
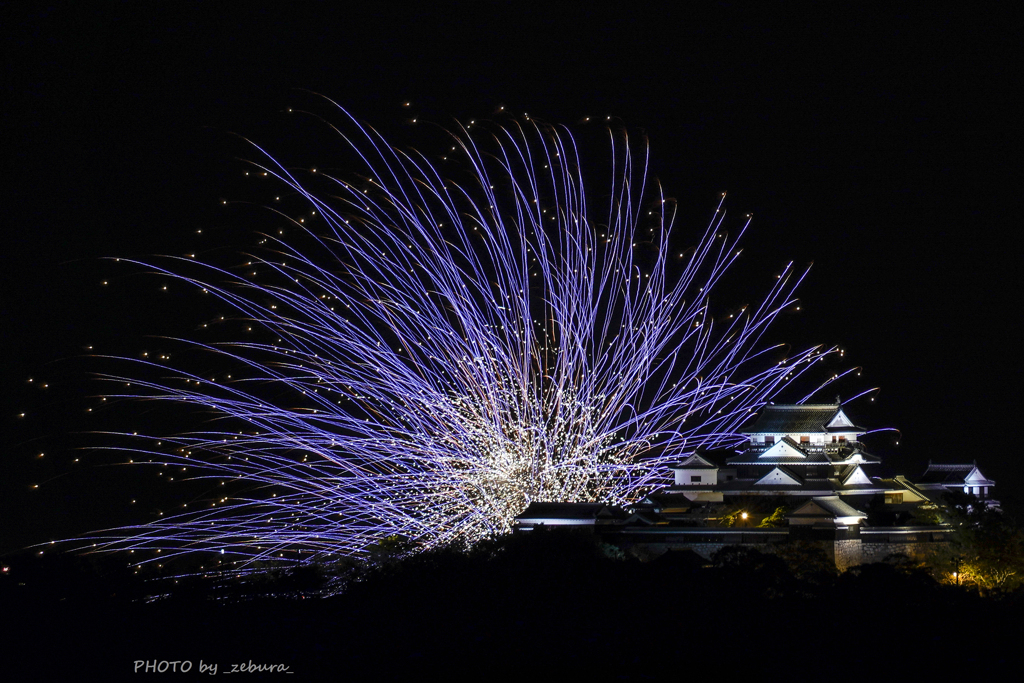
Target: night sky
x=878 y=146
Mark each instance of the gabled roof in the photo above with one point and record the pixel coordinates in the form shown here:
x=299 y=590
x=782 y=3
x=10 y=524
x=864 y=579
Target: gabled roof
x=946 y=472
x=853 y=475
x=810 y=486
x=954 y=474
x=829 y=507
x=667 y=501
x=785 y=448
x=900 y=483
x=976 y=478
x=694 y=462
x=785 y=451
x=780 y=476
x=537 y=512
x=803 y=418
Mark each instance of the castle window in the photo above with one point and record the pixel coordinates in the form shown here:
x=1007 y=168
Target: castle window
x=805 y=439
x=769 y=440
x=694 y=478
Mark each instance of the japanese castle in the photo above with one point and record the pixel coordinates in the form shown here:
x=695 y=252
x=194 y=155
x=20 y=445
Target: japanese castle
x=804 y=459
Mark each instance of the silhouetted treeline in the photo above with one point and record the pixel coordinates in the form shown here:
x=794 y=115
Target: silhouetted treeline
x=561 y=603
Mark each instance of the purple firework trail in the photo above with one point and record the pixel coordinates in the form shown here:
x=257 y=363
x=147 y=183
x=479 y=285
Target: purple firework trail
x=439 y=354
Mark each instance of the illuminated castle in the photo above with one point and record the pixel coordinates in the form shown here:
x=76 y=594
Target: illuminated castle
x=804 y=451
x=810 y=451
x=805 y=462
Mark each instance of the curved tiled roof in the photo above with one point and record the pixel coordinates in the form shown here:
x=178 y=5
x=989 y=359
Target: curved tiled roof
x=951 y=473
x=832 y=505
x=792 y=418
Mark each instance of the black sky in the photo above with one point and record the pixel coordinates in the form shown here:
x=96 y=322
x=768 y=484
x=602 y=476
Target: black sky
x=881 y=146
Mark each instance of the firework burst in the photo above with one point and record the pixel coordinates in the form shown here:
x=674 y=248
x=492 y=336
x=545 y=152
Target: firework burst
x=436 y=349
